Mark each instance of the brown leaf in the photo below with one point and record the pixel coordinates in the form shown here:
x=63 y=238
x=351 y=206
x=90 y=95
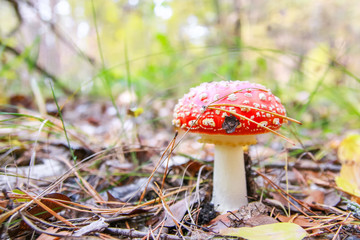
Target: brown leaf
x=251 y=210
x=3 y=204
x=114 y=200
x=44 y=236
x=280 y=198
x=332 y=198
x=299 y=220
x=21 y=100
x=39 y=212
x=315 y=179
x=178 y=210
x=314 y=197
x=220 y=222
x=259 y=220
x=245 y=215
x=193 y=167
x=130 y=192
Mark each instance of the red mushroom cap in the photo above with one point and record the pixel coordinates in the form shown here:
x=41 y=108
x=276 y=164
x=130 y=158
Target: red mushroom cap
x=205 y=108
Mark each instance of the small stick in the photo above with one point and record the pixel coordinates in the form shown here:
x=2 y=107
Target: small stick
x=158 y=164
x=172 y=144
x=52 y=212
x=131 y=233
x=284 y=192
x=39 y=230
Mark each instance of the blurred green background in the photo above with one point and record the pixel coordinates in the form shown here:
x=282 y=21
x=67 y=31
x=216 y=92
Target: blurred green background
x=307 y=52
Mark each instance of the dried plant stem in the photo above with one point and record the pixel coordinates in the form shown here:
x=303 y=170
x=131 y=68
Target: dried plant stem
x=39 y=230
x=131 y=233
x=282 y=192
x=49 y=210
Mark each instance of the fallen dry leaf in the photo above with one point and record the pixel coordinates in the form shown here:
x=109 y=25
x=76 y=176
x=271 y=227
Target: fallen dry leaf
x=299 y=220
x=41 y=213
x=179 y=209
x=50 y=230
x=220 y=222
x=349 y=155
x=349 y=149
x=283 y=231
x=260 y=220
x=314 y=197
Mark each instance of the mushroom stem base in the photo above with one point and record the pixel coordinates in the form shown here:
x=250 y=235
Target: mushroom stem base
x=229 y=190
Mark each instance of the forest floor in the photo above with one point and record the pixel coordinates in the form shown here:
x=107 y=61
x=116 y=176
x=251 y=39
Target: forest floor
x=132 y=177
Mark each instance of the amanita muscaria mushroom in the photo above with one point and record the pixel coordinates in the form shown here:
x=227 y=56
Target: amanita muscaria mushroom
x=229 y=114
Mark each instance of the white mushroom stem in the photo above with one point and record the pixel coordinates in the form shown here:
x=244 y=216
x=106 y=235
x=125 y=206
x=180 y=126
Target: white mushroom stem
x=229 y=185
x=229 y=189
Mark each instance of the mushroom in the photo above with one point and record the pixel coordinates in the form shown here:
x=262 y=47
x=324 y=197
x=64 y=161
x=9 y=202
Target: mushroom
x=229 y=114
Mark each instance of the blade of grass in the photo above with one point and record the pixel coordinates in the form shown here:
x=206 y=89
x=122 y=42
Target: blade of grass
x=313 y=94
x=127 y=67
x=62 y=121
x=33 y=154
x=40 y=101
x=104 y=76
x=346 y=71
x=350 y=105
x=49 y=124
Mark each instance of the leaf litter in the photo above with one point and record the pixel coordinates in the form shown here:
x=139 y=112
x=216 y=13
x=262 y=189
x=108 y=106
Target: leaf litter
x=127 y=182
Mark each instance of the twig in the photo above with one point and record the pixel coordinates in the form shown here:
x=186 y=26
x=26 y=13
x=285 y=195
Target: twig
x=39 y=230
x=284 y=192
x=167 y=208
x=96 y=226
x=159 y=163
x=339 y=229
x=172 y=144
x=49 y=210
x=46 y=223
x=131 y=233
x=318 y=168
